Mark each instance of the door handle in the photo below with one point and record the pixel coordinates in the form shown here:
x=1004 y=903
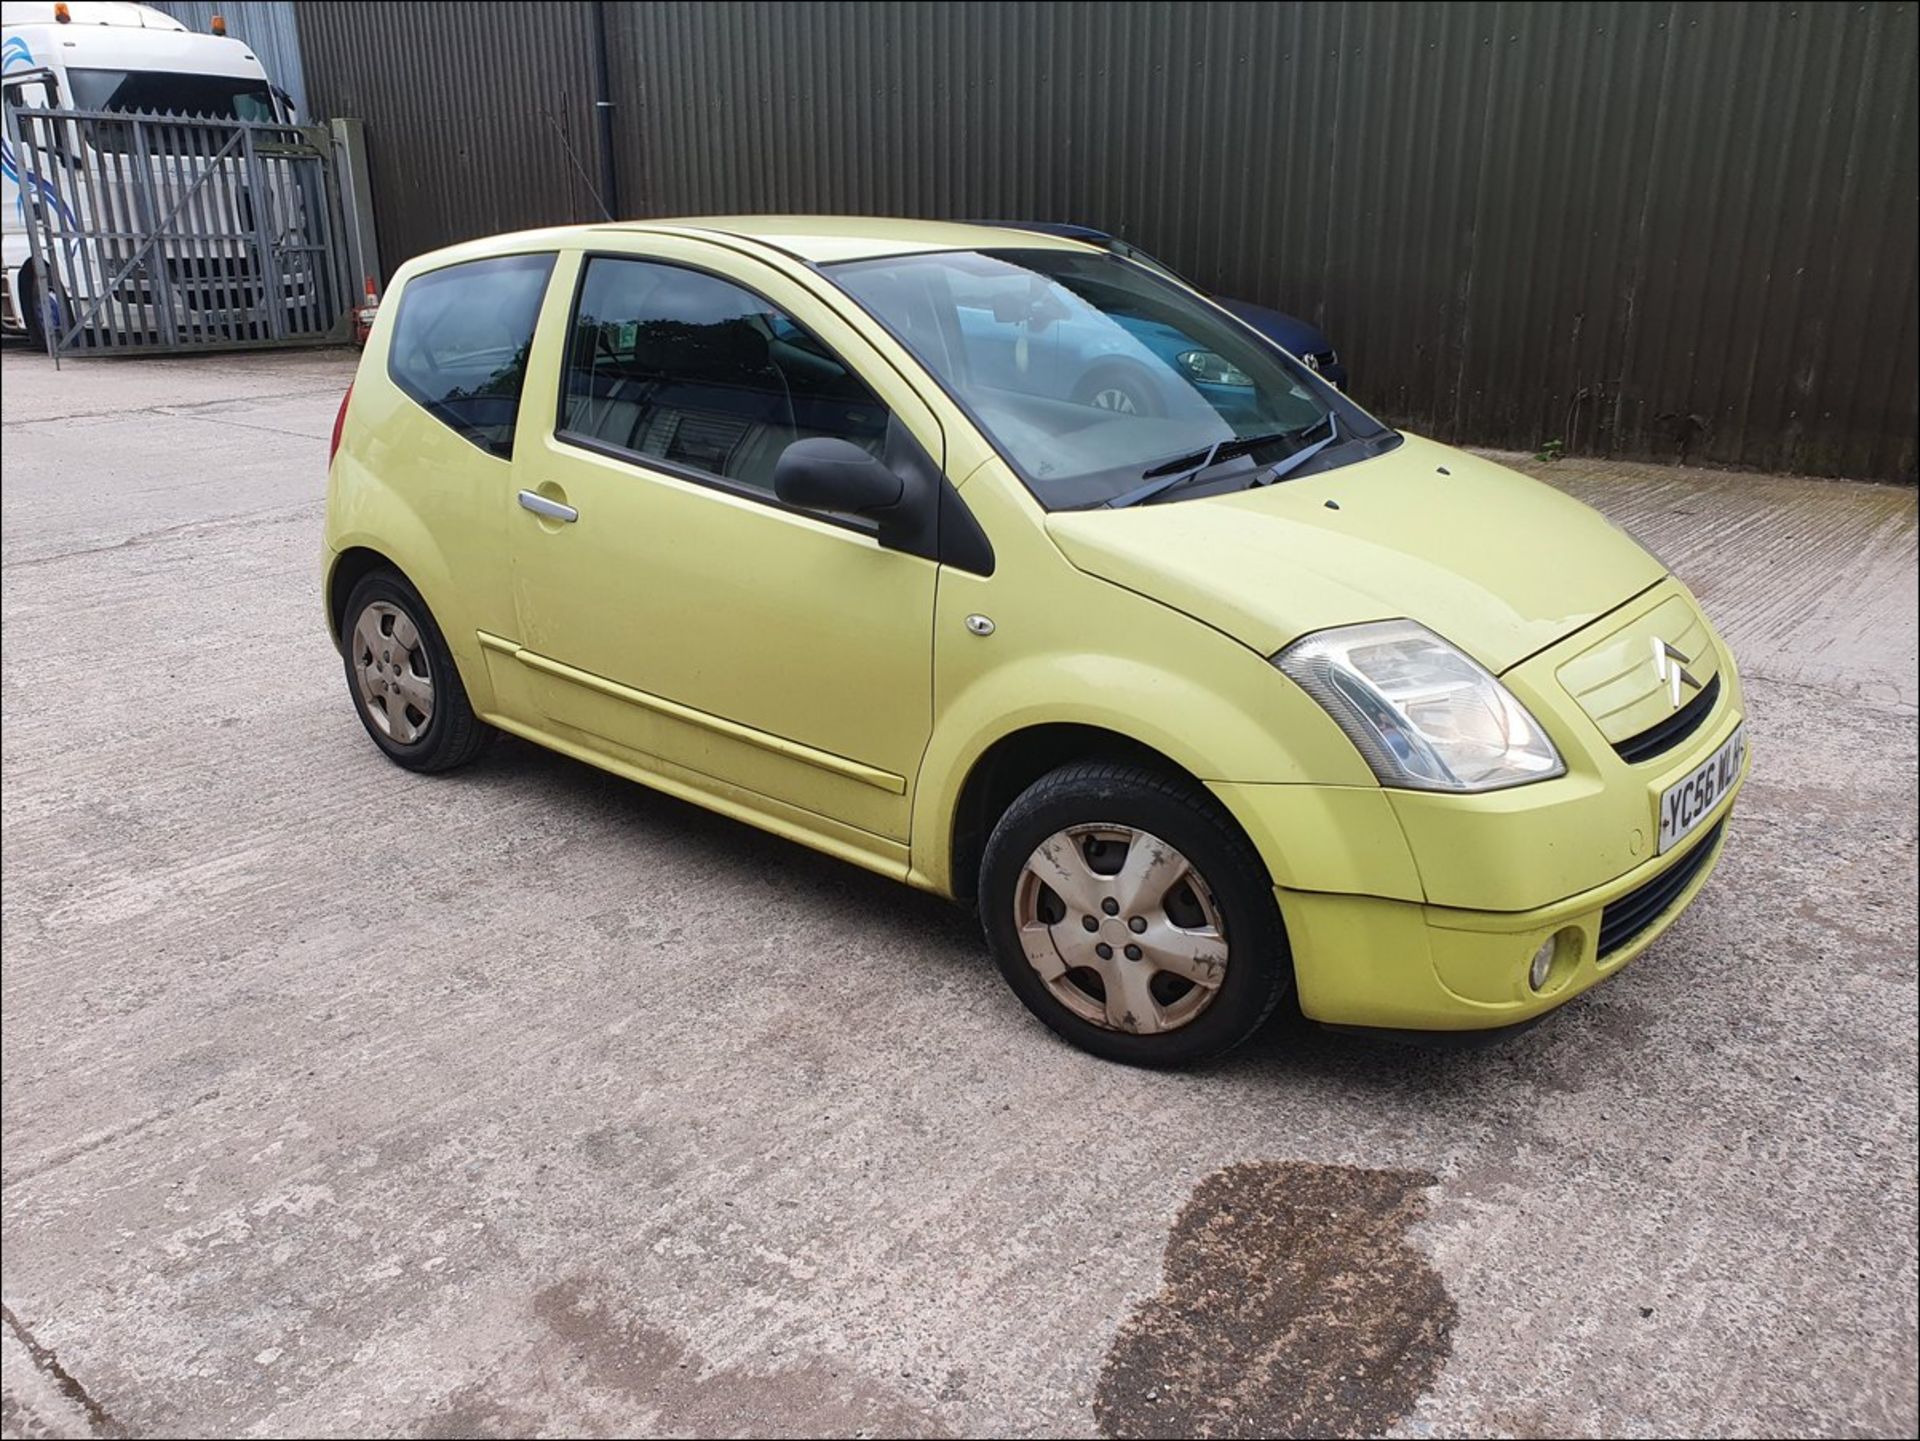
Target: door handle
x=550 y=509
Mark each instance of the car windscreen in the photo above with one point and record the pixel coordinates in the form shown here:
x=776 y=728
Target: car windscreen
x=1094 y=376
x=168 y=92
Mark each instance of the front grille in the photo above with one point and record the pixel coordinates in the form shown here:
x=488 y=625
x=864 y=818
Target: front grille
x=213 y=269
x=1659 y=739
x=1627 y=917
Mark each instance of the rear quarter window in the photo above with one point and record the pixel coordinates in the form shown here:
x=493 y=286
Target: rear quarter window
x=460 y=343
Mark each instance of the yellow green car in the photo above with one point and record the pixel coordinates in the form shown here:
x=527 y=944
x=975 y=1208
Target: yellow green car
x=1220 y=694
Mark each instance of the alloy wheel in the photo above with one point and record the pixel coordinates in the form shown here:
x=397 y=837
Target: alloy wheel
x=391 y=666
x=1121 y=927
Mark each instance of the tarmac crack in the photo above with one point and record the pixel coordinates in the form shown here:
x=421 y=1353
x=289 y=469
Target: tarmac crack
x=48 y=1364
x=168 y=407
x=227 y=420
x=280 y=516
x=1824 y=690
x=62 y=1156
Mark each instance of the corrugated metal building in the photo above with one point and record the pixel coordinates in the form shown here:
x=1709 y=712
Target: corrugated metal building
x=1644 y=228
x=479 y=117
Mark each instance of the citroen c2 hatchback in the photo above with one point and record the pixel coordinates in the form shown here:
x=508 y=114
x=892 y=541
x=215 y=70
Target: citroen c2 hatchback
x=1237 y=692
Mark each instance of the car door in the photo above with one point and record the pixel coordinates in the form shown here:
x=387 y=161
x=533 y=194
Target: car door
x=672 y=612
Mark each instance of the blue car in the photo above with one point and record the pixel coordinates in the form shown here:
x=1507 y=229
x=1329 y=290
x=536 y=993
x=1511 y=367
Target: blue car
x=1291 y=334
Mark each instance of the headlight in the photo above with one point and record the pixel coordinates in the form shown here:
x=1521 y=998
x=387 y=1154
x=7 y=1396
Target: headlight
x=1213 y=369
x=1423 y=714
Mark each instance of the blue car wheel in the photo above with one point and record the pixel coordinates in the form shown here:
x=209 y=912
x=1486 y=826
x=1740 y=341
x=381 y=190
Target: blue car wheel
x=1123 y=389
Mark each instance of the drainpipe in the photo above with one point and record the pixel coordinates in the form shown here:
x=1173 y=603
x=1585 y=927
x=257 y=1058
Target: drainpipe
x=603 y=112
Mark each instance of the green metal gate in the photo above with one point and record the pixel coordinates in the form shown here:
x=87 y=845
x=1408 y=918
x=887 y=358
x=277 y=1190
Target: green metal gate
x=157 y=233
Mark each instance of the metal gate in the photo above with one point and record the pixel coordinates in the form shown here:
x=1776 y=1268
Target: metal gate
x=156 y=233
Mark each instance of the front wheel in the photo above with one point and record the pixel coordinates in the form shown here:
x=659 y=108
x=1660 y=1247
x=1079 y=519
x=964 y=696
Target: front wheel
x=1122 y=389
x=39 y=313
x=1131 y=915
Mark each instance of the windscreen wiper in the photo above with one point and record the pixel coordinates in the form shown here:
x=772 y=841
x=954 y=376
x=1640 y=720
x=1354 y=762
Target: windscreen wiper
x=1302 y=456
x=1169 y=474
x=1162 y=478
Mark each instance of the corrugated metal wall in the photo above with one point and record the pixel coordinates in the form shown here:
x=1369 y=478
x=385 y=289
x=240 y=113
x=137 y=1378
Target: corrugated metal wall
x=479 y=117
x=266 y=25
x=1631 y=227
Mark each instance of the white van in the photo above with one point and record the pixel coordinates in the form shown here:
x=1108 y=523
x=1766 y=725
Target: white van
x=105 y=56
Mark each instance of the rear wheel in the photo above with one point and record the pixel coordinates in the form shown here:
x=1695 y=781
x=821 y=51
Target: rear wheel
x=1131 y=915
x=402 y=678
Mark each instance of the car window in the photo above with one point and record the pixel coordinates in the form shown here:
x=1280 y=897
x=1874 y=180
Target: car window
x=1094 y=375
x=679 y=366
x=460 y=343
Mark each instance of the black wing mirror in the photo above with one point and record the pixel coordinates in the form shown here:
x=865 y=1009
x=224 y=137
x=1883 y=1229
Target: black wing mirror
x=904 y=495
x=823 y=473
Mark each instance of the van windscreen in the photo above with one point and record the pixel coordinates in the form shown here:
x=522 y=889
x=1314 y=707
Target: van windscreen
x=166 y=92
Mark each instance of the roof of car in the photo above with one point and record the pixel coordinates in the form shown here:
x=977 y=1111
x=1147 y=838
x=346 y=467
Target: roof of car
x=816 y=239
x=823 y=239
x=1064 y=228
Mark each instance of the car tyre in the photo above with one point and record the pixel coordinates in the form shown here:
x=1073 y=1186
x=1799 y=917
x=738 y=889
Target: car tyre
x=33 y=308
x=1132 y=915
x=405 y=686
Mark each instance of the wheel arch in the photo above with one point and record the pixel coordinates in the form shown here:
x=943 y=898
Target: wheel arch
x=1015 y=761
x=349 y=568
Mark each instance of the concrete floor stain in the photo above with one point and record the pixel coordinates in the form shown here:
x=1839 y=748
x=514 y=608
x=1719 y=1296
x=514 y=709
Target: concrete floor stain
x=620 y=1375
x=1292 y=1304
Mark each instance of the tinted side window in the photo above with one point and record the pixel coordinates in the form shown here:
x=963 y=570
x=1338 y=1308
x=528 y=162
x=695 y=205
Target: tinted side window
x=461 y=339
x=678 y=366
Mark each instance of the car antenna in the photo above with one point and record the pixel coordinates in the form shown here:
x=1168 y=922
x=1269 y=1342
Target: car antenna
x=567 y=145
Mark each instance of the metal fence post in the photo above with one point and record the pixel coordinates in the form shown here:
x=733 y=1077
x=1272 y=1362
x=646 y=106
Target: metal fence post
x=17 y=125
x=271 y=292
x=356 y=203
x=149 y=212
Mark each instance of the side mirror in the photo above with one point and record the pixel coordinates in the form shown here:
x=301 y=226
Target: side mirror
x=904 y=495
x=823 y=473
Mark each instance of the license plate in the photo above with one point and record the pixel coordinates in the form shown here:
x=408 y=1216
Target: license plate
x=1686 y=803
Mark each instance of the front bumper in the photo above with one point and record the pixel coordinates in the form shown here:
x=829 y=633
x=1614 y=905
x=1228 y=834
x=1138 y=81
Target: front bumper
x=1399 y=965
x=1422 y=911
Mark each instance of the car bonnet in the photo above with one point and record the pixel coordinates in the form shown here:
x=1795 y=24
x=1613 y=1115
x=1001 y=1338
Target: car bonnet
x=1501 y=565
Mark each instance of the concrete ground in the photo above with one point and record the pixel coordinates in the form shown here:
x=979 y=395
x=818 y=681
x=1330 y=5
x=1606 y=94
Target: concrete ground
x=341 y=1101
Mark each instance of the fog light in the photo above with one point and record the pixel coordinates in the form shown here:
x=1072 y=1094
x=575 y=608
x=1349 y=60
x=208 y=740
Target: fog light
x=1542 y=962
